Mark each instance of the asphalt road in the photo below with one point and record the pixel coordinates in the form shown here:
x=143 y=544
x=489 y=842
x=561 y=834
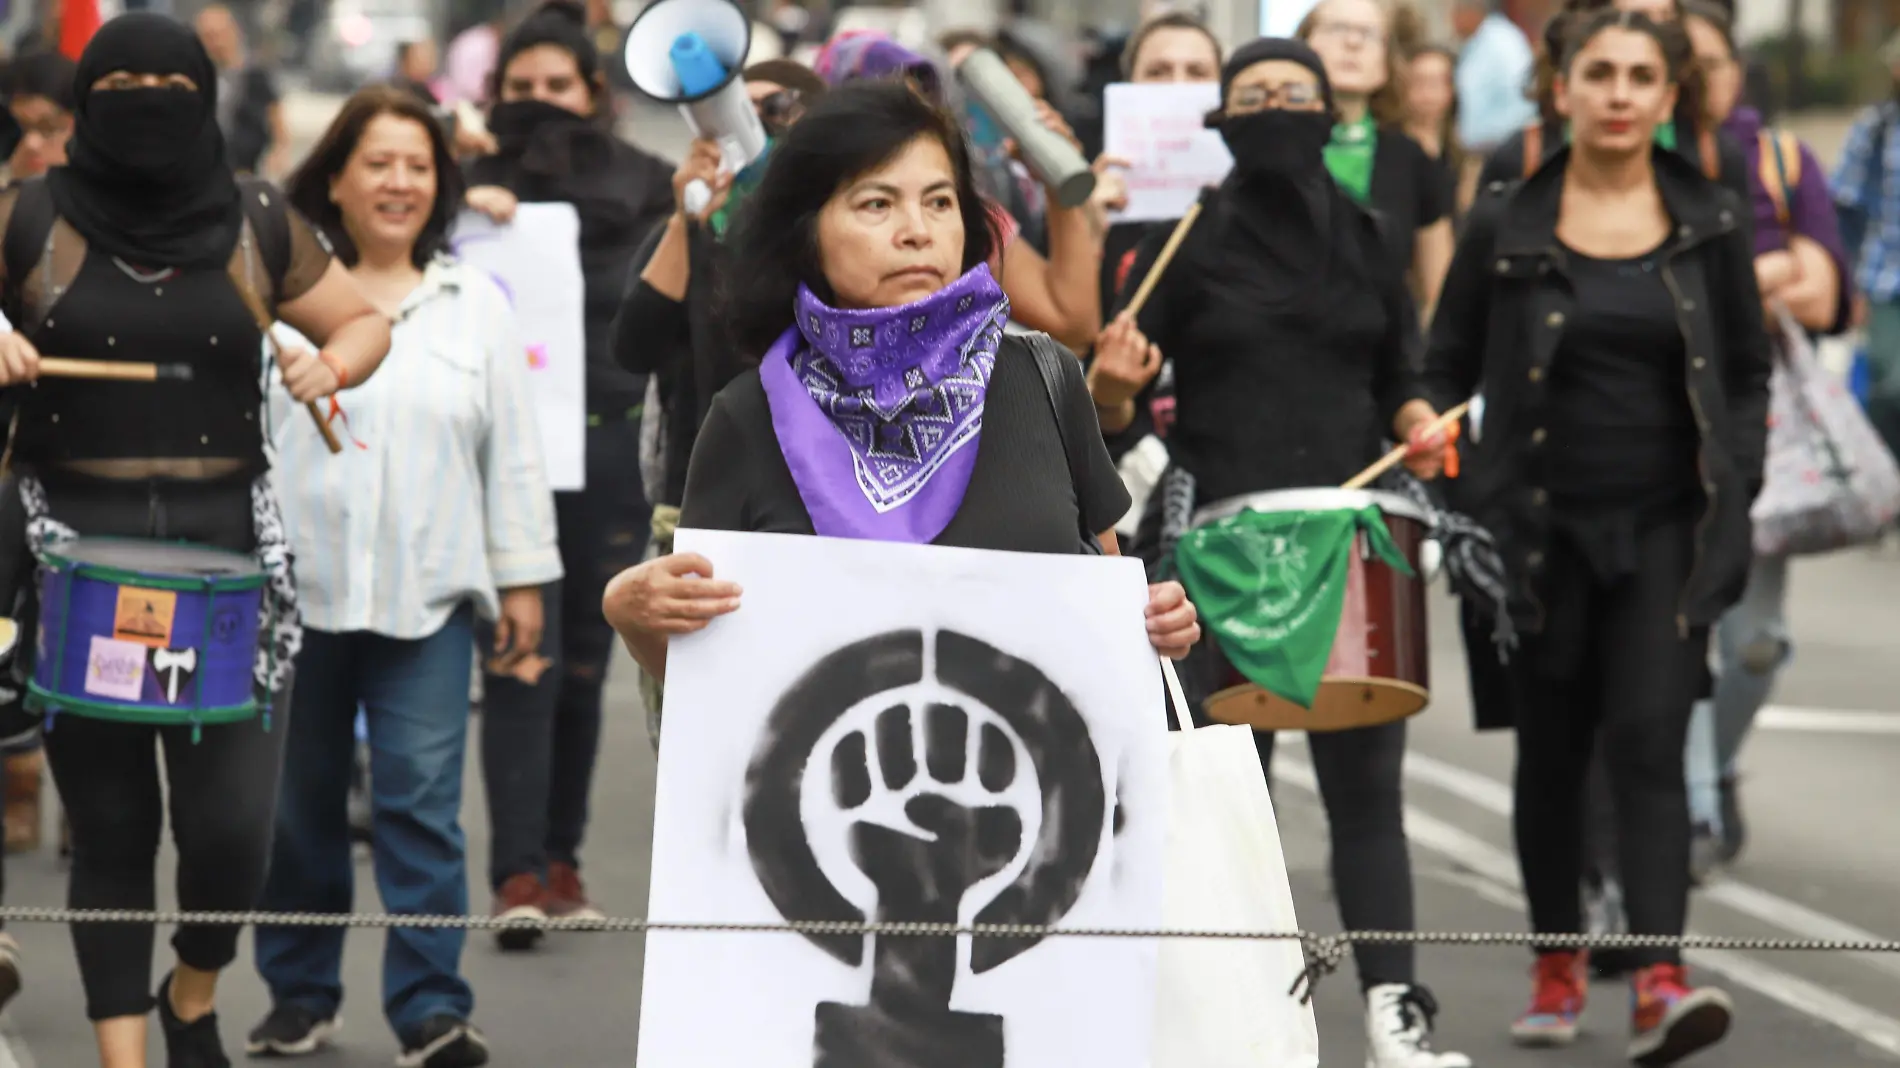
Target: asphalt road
x=1824 y=862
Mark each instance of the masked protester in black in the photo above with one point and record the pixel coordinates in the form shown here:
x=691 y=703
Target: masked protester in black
x=540 y=738
x=1291 y=332
x=145 y=243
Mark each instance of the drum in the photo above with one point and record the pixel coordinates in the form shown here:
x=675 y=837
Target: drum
x=161 y=633
x=1378 y=670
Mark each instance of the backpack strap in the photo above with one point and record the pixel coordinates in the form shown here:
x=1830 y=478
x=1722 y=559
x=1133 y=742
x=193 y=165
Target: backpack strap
x=1710 y=153
x=1778 y=176
x=28 y=229
x=268 y=213
x=1533 y=147
x=1051 y=362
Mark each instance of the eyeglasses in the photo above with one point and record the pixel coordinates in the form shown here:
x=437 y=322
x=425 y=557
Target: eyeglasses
x=1291 y=95
x=780 y=109
x=1354 y=32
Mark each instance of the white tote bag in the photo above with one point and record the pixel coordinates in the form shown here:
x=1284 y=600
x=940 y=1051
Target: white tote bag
x=1221 y=1003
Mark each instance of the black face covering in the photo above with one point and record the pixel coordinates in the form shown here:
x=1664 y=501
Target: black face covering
x=1287 y=144
x=548 y=153
x=147 y=180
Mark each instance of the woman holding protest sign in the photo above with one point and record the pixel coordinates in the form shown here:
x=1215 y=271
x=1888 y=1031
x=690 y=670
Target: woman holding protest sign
x=1289 y=325
x=1369 y=155
x=868 y=217
x=1607 y=308
x=541 y=729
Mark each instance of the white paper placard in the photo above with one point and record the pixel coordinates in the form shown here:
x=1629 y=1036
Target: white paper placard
x=536 y=260
x=1158 y=130
x=828 y=746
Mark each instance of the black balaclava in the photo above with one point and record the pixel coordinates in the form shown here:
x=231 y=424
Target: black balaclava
x=1283 y=237
x=147 y=179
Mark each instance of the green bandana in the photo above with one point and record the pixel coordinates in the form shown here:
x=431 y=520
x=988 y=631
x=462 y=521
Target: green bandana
x=1272 y=587
x=1349 y=157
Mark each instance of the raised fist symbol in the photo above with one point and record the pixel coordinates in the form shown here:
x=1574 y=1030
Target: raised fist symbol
x=962 y=774
x=959 y=835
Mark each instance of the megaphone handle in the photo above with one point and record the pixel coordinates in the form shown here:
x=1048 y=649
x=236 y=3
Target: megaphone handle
x=698 y=196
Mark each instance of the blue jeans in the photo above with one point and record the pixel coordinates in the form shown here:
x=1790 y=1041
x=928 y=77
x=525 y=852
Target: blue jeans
x=416 y=696
x=1752 y=644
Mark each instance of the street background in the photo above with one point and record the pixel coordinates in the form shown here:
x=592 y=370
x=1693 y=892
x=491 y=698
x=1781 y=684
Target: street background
x=1820 y=788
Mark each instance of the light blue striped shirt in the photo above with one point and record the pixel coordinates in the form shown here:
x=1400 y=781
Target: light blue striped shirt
x=448 y=500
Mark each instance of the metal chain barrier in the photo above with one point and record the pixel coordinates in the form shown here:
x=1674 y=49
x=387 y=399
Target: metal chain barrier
x=1324 y=953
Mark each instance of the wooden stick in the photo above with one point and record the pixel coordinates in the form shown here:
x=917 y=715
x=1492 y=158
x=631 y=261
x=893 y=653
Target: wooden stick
x=60 y=367
x=1391 y=459
x=264 y=323
x=1161 y=262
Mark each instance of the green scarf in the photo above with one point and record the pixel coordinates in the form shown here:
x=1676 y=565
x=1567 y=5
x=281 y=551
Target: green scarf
x=1272 y=587
x=1349 y=157
x=743 y=184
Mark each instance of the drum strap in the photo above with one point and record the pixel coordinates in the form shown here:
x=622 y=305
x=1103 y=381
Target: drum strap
x=1057 y=365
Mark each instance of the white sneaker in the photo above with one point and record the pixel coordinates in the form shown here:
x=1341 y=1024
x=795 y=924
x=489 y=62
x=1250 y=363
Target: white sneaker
x=1399 y=1029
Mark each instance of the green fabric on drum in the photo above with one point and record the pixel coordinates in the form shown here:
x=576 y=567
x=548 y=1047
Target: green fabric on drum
x=1272 y=587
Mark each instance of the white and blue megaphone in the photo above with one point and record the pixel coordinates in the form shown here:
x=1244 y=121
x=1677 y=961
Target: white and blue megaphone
x=690 y=53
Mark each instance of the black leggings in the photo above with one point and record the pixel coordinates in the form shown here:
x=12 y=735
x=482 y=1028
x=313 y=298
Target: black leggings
x=1631 y=684
x=1359 y=781
x=223 y=787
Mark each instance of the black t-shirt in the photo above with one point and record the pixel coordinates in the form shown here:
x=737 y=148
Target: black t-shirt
x=1021 y=497
x=1409 y=193
x=1622 y=434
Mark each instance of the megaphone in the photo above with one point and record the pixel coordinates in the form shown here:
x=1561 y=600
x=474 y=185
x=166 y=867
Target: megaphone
x=1054 y=160
x=690 y=53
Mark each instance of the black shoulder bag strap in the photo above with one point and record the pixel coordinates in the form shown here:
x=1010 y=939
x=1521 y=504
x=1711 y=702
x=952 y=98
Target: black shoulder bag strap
x=1051 y=361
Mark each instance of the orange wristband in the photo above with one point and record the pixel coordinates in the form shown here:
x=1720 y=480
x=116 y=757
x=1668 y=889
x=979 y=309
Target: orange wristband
x=337 y=368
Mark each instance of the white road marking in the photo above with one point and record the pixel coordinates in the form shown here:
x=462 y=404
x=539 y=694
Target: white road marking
x=1495 y=877
x=1826 y=720
x=1751 y=901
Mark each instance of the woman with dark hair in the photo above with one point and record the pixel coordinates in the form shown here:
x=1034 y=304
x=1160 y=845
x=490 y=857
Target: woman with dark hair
x=1687 y=130
x=40 y=99
x=1608 y=311
x=540 y=739
x=1800 y=264
x=868 y=220
x=391 y=593
x=152 y=245
x=1370 y=155
x=1058 y=294
x=1290 y=329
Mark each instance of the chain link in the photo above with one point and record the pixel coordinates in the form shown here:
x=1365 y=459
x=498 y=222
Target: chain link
x=1324 y=953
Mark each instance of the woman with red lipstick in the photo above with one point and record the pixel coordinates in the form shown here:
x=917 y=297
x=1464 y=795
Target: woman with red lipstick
x=1607 y=309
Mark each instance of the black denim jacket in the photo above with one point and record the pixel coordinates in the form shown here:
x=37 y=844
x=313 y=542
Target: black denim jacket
x=1500 y=319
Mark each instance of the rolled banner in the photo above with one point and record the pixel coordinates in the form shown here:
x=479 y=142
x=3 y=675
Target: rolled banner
x=1051 y=157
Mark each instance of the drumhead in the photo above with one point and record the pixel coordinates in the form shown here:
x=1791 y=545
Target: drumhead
x=138 y=559
x=1314 y=499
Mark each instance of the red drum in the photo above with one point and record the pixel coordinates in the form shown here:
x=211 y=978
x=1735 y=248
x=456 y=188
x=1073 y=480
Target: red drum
x=1378 y=672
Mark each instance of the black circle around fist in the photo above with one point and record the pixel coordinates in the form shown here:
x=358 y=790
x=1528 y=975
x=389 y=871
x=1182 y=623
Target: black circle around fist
x=923 y=880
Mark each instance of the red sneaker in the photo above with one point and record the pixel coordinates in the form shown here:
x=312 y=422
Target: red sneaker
x=1671 y=1019
x=567 y=895
x=523 y=898
x=1559 y=987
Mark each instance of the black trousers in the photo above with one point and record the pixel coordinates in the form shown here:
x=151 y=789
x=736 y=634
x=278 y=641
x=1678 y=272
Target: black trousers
x=223 y=787
x=1623 y=682
x=1359 y=782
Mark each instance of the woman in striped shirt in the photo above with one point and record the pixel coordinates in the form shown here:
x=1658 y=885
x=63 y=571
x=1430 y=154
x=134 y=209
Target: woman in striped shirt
x=443 y=514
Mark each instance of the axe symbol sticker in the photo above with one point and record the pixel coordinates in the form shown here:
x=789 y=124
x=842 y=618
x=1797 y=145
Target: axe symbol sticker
x=176 y=667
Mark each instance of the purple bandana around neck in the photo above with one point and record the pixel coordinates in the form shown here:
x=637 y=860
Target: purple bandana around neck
x=878 y=412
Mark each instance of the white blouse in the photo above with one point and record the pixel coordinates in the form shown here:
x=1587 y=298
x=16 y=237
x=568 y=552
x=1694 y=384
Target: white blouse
x=440 y=494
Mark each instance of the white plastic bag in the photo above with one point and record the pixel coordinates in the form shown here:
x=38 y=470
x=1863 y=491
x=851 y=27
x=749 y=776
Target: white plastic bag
x=1220 y=1003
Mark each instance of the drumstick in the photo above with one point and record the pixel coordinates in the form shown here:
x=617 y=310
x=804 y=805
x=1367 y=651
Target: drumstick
x=1161 y=262
x=59 y=367
x=1391 y=459
x=264 y=322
